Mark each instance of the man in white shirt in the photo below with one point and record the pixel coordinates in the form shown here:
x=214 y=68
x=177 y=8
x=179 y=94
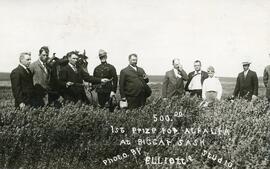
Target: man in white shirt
x=173 y=84
x=195 y=80
x=133 y=84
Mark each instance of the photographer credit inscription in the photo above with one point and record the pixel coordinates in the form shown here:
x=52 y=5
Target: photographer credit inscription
x=167 y=137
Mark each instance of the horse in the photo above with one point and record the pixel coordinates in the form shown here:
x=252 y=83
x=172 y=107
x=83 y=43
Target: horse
x=55 y=64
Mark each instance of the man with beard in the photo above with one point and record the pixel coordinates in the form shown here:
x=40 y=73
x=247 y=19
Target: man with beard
x=133 y=87
x=107 y=90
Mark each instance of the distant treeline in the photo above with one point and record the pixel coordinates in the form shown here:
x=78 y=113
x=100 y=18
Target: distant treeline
x=4 y=76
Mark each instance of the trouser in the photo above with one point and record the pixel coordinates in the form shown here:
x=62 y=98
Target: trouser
x=136 y=101
x=211 y=96
x=197 y=92
x=53 y=99
x=103 y=98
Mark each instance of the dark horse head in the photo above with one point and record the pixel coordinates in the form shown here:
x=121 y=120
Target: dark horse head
x=81 y=63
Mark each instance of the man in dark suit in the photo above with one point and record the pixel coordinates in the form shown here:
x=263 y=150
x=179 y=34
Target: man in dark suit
x=133 y=87
x=105 y=70
x=41 y=76
x=195 y=80
x=71 y=79
x=22 y=83
x=246 y=83
x=173 y=84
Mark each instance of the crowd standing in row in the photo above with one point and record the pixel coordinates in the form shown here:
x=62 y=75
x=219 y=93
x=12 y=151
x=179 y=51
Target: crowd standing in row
x=44 y=81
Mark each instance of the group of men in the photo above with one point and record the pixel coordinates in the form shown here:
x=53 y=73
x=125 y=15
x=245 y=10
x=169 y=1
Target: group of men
x=204 y=84
x=42 y=83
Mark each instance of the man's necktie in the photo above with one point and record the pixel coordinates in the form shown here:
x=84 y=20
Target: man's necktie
x=75 y=69
x=45 y=69
x=28 y=70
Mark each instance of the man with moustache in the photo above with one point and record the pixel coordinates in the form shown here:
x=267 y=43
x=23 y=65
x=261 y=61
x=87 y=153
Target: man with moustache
x=133 y=84
x=71 y=79
x=22 y=83
x=173 y=84
x=105 y=70
x=195 y=80
x=41 y=76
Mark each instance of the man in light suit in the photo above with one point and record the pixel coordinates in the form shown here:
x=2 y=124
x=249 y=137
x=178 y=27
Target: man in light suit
x=173 y=84
x=41 y=76
x=71 y=79
x=266 y=81
x=247 y=83
x=22 y=83
x=133 y=87
x=195 y=80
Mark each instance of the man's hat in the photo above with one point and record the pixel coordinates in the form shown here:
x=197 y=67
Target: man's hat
x=246 y=61
x=102 y=53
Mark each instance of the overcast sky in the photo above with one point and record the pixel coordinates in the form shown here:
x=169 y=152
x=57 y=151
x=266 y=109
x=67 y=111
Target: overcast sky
x=221 y=33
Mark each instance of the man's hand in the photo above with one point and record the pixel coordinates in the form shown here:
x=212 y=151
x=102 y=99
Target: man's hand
x=69 y=84
x=22 y=105
x=254 y=97
x=112 y=94
x=180 y=68
x=104 y=80
x=145 y=76
x=164 y=99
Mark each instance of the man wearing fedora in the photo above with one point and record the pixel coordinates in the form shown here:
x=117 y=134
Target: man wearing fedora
x=246 y=83
x=106 y=91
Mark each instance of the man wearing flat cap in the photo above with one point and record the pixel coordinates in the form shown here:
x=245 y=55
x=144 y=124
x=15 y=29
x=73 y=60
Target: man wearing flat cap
x=246 y=83
x=105 y=70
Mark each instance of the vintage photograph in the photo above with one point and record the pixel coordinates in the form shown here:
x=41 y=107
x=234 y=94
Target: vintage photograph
x=135 y=84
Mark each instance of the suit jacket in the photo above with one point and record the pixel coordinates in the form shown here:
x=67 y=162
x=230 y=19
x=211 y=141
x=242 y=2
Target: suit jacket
x=75 y=92
x=106 y=70
x=204 y=75
x=22 y=86
x=131 y=82
x=266 y=80
x=246 y=86
x=41 y=78
x=173 y=85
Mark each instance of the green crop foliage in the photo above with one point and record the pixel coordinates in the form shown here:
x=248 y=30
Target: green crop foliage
x=80 y=136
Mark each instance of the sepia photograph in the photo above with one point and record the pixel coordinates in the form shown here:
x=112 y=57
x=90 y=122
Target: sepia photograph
x=135 y=84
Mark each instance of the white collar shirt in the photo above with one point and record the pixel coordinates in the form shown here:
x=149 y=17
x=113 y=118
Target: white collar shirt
x=177 y=73
x=135 y=68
